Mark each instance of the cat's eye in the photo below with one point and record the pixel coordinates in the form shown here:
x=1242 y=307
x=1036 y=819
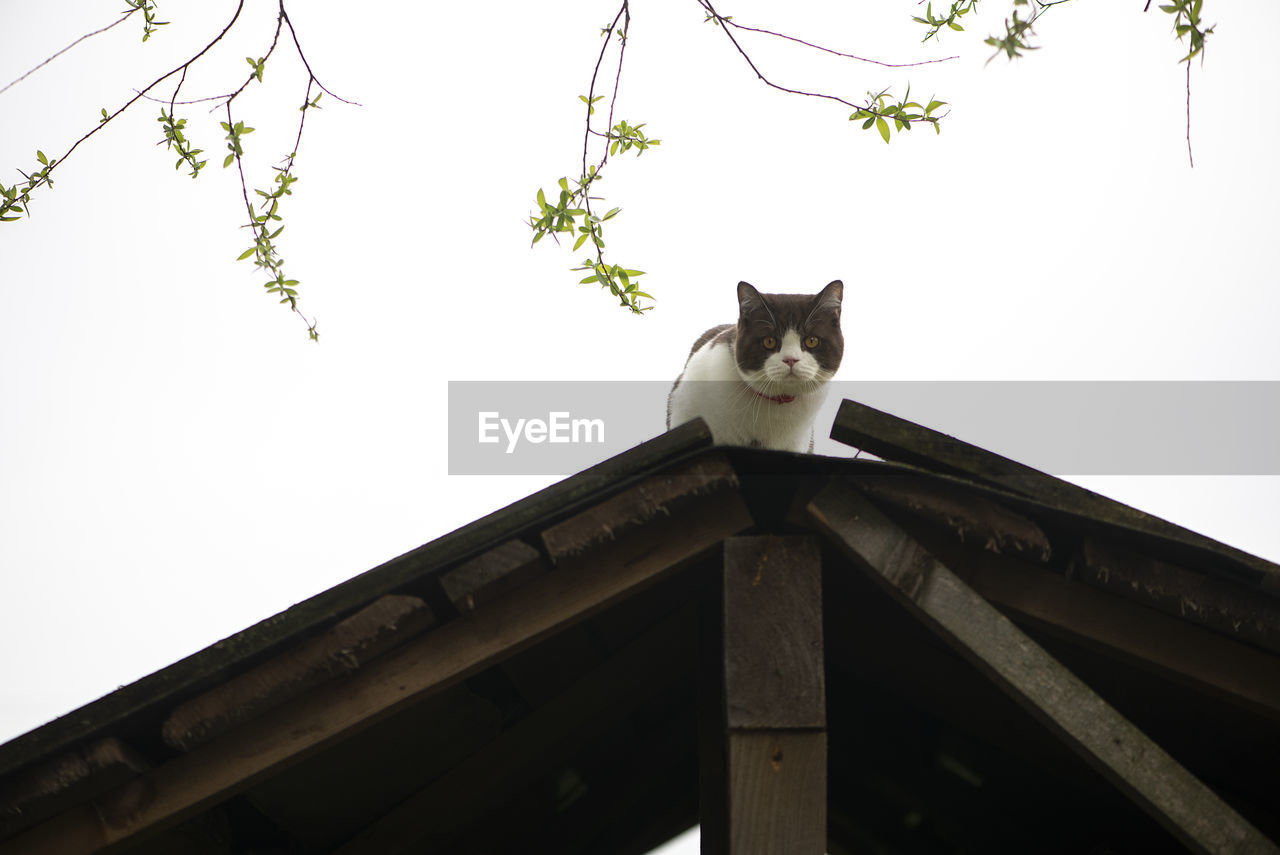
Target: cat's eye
x=769 y=342
x=811 y=342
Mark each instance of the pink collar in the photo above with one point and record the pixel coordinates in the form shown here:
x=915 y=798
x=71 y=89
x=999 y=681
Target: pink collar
x=777 y=399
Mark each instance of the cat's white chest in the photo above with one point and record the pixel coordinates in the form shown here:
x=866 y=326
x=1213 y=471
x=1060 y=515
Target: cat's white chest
x=712 y=388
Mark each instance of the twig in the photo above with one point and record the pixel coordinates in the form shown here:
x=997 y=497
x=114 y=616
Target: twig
x=734 y=23
x=706 y=4
x=591 y=90
x=102 y=124
x=303 y=57
x=156 y=100
x=624 y=15
x=1190 y=158
x=117 y=23
x=274 y=40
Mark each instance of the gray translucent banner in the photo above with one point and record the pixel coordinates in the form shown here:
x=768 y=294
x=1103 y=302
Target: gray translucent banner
x=1060 y=427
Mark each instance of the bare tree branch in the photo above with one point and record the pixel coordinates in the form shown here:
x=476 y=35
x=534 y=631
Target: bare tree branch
x=117 y=23
x=732 y=23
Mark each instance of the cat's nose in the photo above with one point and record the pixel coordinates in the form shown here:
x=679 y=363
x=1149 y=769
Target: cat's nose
x=791 y=361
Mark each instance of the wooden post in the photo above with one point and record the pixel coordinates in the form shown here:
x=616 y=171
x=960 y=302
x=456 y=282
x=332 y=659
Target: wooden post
x=770 y=745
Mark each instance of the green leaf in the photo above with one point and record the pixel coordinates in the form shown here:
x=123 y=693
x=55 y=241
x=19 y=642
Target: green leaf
x=883 y=127
x=40 y=157
x=248 y=252
x=229 y=159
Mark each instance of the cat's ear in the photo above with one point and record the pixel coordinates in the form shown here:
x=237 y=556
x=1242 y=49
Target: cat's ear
x=749 y=299
x=829 y=298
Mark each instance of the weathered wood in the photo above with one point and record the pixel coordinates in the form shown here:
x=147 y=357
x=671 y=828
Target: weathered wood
x=493 y=574
x=348 y=646
x=974 y=519
x=773 y=667
x=766 y=750
x=713 y=743
x=896 y=439
x=66 y=780
x=654 y=497
x=1173 y=648
x=1002 y=652
x=1231 y=609
x=159 y=691
x=777 y=792
x=502 y=769
x=442 y=658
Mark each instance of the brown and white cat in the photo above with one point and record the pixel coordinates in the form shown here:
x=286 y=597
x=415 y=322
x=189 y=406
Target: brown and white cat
x=761 y=381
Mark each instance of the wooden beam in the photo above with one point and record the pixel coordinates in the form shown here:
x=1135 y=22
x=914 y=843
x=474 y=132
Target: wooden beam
x=1235 y=610
x=896 y=439
x=658 y=496
x=442 y=658
x=159 y=692
x=491 y=574
x=344 y=648
x=1175 y=649
x=774 y=717
x=1110 y=743
x=66 y=780
x=432 y=817
x=972 y=518
x=773 y=667
x=777 y=791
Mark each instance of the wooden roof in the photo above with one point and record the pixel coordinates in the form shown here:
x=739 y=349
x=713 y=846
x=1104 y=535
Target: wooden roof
x=963 y=653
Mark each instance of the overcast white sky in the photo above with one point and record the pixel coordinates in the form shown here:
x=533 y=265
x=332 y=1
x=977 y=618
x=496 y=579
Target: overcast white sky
x=177 y=462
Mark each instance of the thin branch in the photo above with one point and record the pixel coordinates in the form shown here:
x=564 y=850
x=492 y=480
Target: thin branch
x=102 y=124
x=591 y=90
x=156 y=100
x=1190 y=158
x=174 y=96
x=706 y=4
x=117 y=23
x=734 y=23
x=261 y=232
x=303 y=57
x=274 y=40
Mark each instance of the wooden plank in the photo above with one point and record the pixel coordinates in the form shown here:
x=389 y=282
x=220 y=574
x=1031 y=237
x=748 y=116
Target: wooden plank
x=896 y=439
x=1173 y=648
x=345 y=648
x=210 y=666
x=773 y=667
x=1232 y=609
x=972 y=518
x=432 y=817
x=1123 y=754
x=492 y=574
x=451 y=653
x=66 y=780
x=713 y=743
x=772 y=773
x=654 y=497
x=777 y=792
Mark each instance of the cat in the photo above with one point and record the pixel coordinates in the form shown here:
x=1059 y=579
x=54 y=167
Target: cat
x=761 y=381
